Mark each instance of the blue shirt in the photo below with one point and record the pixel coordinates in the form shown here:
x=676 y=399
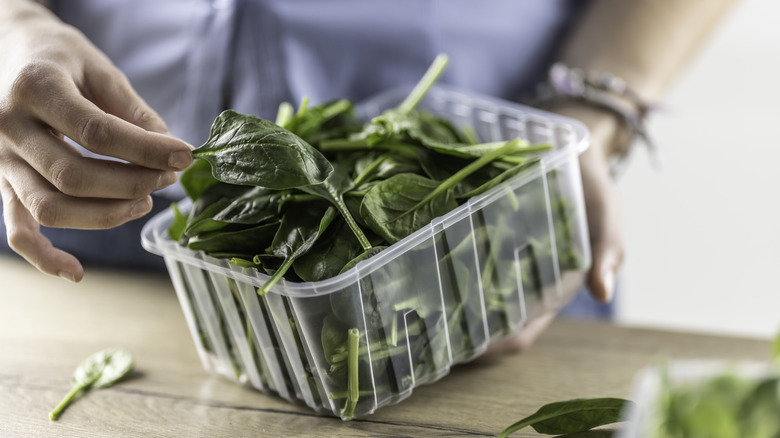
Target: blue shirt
x=190 y=59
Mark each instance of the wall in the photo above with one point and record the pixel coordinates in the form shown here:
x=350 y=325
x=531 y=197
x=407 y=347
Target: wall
x=702 y=234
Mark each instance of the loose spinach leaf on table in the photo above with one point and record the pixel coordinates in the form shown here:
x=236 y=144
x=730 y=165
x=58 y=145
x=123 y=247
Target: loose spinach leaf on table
x=99 y=370
x=571 y=416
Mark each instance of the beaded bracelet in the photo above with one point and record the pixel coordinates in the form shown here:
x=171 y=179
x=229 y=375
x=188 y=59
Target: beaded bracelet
x=606 y=91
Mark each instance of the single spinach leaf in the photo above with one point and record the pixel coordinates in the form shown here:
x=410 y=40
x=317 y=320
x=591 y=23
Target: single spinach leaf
x=332 y=190
x=248 y=150
x=255 y=206
x=393 y=208
x=99 y=370
x=328 y=255
x=245 y=241
x=572 y=416
x=213 y=200
x=178 y=224
x=301 y=226
x=197 y=178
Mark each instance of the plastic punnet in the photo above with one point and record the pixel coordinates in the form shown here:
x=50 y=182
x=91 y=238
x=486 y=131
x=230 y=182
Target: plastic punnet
x=437 y=298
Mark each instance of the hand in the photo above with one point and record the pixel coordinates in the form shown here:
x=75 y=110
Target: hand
x=601 y=200
x=54 y=83
x=601 y=203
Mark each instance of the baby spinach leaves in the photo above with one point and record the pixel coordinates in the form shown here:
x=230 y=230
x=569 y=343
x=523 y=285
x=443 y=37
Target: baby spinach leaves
x=320 y=191
x=99 y=370
x=255 y=183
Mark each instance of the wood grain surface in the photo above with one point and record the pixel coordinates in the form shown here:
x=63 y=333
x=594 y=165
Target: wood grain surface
x=47 y=326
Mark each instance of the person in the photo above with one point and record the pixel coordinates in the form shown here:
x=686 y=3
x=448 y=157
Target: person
x=135 y=83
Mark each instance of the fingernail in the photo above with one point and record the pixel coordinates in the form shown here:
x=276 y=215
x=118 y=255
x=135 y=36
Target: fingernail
x=165 y=179
x=609 y=283
x=180 y=160
x=67 y=276
x=141 y=207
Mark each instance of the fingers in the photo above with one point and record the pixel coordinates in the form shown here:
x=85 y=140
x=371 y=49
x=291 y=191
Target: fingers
x=72 y=174
x=110 y=90
x=607 y=246
x=24 y=237
x=55 y=99
x=52 y=208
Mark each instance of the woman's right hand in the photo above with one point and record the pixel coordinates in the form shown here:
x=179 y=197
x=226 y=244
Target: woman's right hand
x=53 y=84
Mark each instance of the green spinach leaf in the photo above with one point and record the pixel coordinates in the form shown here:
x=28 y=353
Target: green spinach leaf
x=99 y=370
x=248 y=150
x=571 y=416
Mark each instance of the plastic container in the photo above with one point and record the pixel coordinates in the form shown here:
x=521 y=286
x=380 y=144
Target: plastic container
x=432 y=300
x=653 y=383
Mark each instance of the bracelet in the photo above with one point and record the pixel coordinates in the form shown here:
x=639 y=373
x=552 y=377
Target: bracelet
x=606 y=91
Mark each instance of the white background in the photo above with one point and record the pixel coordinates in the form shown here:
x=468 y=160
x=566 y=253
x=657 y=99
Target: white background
x=703 y=234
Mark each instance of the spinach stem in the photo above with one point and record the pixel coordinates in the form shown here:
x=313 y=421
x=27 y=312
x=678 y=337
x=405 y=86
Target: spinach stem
x=394 y=331
x=53 y=415
x=335 y=109
x=277 y=276
x=463 y=173
x=353 y=390
x=426 y=82
x=284 y=114
x=369 y=170
x=355 y=144
x=304 y=106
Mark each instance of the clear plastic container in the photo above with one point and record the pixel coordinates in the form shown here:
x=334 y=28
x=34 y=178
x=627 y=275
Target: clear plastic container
x=432 y=300
x=652 y=385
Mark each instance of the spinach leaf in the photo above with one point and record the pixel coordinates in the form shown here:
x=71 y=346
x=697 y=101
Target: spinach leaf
x=248 y=150
x=178 y=224
x=213 y=200
x=402 y=204
x=256 y=205
x=197 y=178
x=244 y=241
x=328 y=255
x=99 y=370
x=571 y=416
x=332 y=190
x=300 y=228
x=322 y=122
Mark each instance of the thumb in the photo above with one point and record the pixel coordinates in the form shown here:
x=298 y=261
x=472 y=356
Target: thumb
x=607 y=248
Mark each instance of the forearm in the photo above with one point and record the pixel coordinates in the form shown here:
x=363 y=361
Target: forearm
x=646 y=42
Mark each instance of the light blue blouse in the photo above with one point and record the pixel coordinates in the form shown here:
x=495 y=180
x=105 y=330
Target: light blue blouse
x=190 y=59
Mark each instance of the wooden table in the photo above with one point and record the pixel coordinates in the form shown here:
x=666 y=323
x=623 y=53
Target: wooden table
x=48 y=326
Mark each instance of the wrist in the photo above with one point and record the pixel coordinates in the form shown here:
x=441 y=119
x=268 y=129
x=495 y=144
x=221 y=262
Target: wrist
x=610 y=138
